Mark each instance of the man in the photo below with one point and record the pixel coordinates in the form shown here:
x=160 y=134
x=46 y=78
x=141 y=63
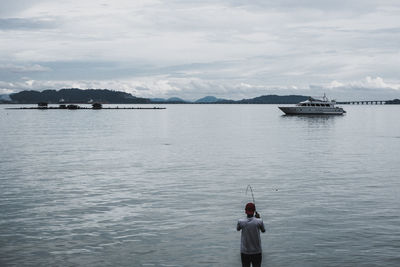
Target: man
x=250 y=246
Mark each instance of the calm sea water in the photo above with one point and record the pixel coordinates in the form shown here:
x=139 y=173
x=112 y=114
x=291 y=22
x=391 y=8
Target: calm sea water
x=166 y=187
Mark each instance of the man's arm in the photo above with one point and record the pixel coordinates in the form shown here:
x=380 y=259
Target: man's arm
x=238 y=227
x=261 y=225
x=262 y=228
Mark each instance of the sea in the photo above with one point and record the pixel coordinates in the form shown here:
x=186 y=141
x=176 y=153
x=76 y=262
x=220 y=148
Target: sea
x=166 y=187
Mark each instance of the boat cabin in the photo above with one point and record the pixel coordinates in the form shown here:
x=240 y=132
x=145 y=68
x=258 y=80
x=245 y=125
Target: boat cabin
x=314 y=105
x=312 y=102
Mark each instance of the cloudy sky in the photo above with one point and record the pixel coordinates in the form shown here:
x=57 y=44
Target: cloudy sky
x=349 y=49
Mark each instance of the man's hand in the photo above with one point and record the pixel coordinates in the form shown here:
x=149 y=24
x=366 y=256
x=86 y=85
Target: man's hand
x=257 y=215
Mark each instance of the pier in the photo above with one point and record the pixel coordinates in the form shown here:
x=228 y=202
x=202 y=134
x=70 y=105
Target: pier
x=87 y=108
x=95 y=106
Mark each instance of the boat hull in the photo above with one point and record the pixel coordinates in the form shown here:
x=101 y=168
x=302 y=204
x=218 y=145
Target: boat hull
x=312 y=110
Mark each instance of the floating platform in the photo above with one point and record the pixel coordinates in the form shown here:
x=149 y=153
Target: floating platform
x=87 y=108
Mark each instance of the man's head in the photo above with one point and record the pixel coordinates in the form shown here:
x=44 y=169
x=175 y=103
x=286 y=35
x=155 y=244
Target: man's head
x=250 y=209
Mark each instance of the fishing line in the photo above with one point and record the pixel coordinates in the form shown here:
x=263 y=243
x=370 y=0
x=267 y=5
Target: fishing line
x=254 y=201
x=252 y=195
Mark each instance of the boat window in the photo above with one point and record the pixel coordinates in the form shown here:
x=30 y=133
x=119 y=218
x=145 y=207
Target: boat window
x=313 y=105
x=318 y=105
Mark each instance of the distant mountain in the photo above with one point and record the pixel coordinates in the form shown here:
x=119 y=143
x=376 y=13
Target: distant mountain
x=171 y=100
x=176 y=100
x=158 y=100
x=209 y=99
x=274 y=99
x=77 y=96
x=5 y=99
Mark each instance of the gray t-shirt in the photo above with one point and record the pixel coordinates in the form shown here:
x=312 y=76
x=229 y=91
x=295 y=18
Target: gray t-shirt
x=250 y=240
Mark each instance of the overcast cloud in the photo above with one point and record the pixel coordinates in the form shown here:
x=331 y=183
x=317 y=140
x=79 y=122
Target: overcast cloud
x=348 y=49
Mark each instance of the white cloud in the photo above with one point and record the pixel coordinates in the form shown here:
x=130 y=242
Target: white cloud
x=335 y=84
x=367 y=83
x=194 y=88
x=23 y=68
x=15 y=24
x=6 y=91
x=193 y=47
x=379 y=83
x=15 y=7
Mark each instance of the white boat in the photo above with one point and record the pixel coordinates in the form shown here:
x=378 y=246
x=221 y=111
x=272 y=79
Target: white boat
x=314 y=106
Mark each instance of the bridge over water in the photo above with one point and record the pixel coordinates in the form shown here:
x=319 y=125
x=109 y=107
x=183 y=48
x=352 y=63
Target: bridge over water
x=364 y=102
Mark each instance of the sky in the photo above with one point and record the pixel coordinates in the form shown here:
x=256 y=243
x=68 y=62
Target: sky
x=348 y=49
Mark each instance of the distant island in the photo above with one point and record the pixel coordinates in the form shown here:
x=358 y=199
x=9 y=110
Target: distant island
x=106 y=96
x=75 y=95
x=393 y=102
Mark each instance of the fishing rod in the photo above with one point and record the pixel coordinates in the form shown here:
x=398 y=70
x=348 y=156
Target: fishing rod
x=254 y=201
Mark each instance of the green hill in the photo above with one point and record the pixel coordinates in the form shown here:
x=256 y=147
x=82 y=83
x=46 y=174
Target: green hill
x=77 y=96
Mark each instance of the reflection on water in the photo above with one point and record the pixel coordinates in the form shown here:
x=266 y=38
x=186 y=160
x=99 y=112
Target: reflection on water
x=165 y=188
x=313 y=118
